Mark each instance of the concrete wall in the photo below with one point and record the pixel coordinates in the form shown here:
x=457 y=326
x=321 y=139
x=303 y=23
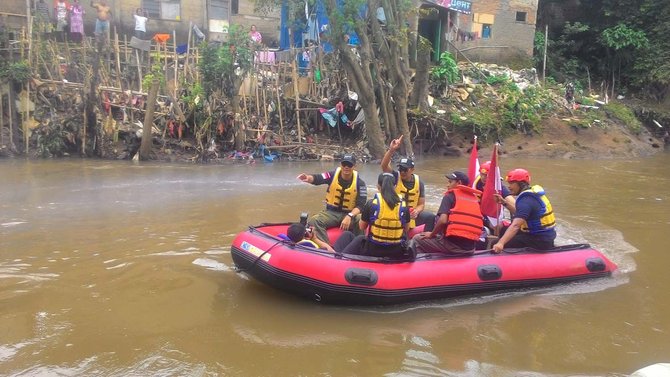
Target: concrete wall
x=510 y=40
x=13 y=13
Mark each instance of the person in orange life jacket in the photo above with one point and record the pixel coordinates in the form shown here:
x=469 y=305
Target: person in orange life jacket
x=533 y=221
x=299 y=234
x=345 y=197
x=459 y=224
x=386 y=219
x=415 y=197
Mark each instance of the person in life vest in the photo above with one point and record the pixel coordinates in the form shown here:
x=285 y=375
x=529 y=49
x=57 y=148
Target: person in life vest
x=386 y=219
x=533 y=223
x=345 y=197
x=304 y=236
x=459 y=225
x=480 y=182
x=409 y=186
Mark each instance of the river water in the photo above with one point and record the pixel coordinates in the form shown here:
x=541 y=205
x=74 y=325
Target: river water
x=121 y=269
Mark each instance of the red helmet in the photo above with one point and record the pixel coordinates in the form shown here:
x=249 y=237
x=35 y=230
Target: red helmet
x=518 y=175
x=485 y=167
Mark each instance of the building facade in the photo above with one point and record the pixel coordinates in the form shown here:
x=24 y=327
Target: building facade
x=212 y=17
x=495 y=31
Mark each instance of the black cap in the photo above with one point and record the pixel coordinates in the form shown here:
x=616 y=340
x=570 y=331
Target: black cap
x=349 y=158
x=459 y=176
x=406 y=163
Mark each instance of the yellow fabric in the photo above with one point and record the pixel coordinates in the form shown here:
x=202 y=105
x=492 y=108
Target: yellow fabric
x=411 y=196
x=387 y=227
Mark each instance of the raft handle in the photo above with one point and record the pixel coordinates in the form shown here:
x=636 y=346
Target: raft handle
x=489 y=272
x=361 y=276
x=595 y=264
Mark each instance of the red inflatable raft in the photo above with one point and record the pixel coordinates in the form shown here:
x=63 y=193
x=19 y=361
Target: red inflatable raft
x=357 y=280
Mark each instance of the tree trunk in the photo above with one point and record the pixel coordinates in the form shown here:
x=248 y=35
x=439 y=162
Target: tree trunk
x=419 y=94
x=392 y=52
x=147 y=138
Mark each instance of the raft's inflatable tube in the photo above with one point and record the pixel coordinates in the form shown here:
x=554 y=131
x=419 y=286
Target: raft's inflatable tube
x=357 y=280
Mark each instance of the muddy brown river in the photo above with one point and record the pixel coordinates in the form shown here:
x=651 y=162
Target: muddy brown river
x=122 y=269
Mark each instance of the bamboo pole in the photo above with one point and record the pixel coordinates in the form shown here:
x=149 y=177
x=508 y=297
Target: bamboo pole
x=11 y=117
x=281 y=117
x=188 y=48
x=26 y=137
x=176 y=62
x=297 y=97
x=258 y=105
x=2 y=118
x=139 y=70
x=265 y=104
x=118 y=59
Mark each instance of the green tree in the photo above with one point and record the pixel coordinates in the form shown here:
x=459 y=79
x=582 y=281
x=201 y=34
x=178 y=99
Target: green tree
x=378 y=69
x=223 y=69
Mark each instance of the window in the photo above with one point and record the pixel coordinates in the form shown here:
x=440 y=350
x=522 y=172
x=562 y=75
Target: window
x=234 y=7
x=521 y=16
x=163 y=9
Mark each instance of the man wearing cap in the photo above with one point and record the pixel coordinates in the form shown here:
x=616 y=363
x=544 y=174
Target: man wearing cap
x=459 y=224
x=409 y=186
x=345 y=197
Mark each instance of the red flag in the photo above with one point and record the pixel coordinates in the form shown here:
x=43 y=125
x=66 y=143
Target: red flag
x=493 y=185
x=473 y=167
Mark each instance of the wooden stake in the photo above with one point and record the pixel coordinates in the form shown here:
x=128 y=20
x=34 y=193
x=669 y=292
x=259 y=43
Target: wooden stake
x=145 y=146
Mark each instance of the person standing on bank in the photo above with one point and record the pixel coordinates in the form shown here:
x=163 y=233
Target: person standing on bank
x=386 y=218
x=409 y=186
x=459 y=225
x=345 y=197
x=61 y=12
x=533 y=222
x=76 y=21
x=102 y=21
x=140 y=23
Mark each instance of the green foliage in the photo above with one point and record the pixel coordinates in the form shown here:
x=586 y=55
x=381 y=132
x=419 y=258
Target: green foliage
x=51 y=141
x=156 y=71
x=497 y=79
x=624 y=114
x=446 y=70
x=224 y=67
x=621 y=36
x=17 y=72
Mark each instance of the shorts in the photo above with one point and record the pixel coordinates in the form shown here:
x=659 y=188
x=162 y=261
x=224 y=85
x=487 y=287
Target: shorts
x=101 y=26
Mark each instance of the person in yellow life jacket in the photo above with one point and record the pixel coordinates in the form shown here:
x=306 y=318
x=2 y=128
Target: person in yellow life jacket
x=459 y=225
x=386 y=219
x=345 y=197
x=533 y=221
x=409 y=186
x=299 y=234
